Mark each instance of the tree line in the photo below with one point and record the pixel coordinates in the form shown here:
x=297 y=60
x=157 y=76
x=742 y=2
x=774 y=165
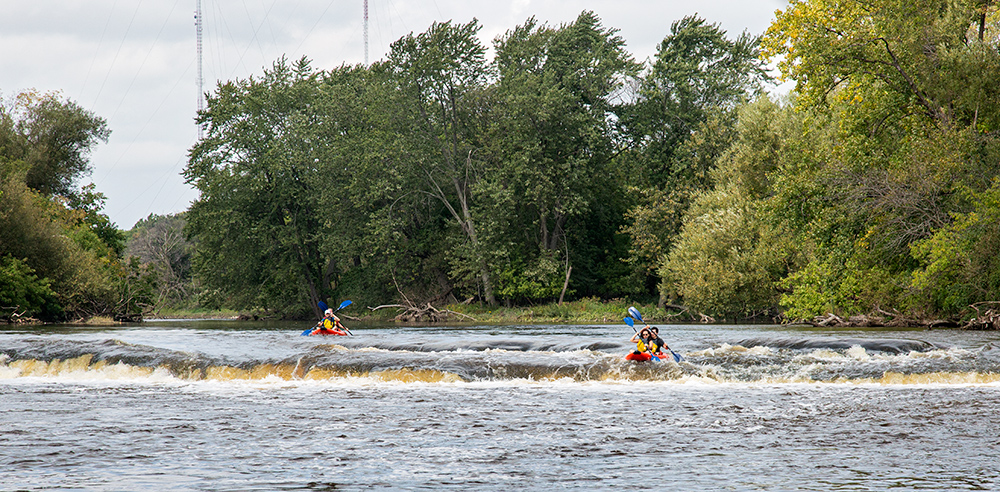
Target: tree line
x=562 y=168
x=440 y=176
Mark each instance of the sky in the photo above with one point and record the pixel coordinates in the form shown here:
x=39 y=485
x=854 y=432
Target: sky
x=134 y=62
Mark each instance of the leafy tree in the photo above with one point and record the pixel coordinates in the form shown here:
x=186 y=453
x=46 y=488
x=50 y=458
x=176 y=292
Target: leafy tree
x=959 y=262
x=255 y=220
x=912 y=118
x=680 y=124
x=697 y=73
x=734 y=246
x=442 y=73
x=552 y=146
x=919 y=51
x=52 y=137
x=55 y=237
x=66 y=255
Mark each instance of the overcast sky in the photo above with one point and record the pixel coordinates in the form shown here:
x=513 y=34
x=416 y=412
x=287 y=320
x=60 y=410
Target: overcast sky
x=134 y=63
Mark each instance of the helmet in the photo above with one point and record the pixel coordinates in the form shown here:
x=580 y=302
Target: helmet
x=328 y=312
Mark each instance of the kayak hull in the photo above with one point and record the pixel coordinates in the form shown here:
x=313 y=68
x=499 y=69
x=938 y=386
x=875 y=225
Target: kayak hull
x=329 y=332
x=645 y=356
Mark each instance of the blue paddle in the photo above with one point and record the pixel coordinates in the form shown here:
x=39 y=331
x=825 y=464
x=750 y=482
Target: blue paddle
x=633 y=312
x=323 y=307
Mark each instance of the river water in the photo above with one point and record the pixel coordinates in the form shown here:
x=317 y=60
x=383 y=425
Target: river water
x=254 y=406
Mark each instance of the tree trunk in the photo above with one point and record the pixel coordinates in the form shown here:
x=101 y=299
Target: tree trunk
x=565 y=285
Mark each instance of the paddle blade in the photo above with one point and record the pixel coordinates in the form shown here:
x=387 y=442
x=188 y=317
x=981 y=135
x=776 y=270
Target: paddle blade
x=322 y=306
x=677 y=357
x=306 y=333
x=633 y=312
x=343 y=305
x=628 y=321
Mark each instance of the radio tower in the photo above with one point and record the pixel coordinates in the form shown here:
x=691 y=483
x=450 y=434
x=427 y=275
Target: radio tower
x=201 y=93
x=366 y=33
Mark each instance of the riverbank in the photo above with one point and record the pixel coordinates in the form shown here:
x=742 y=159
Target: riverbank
x=590 y=310
x=581 y=311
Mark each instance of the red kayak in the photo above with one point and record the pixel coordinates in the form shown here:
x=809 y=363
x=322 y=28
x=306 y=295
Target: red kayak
x=324 y=331
x=643 y=356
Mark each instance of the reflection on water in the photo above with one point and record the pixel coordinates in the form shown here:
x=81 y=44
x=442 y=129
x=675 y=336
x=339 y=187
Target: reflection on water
x=198 y=406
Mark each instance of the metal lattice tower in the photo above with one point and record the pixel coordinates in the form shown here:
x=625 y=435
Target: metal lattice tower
x=366 y=33
x=200 y=81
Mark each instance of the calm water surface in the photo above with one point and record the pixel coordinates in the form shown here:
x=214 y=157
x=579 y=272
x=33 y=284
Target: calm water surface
x=228 y=406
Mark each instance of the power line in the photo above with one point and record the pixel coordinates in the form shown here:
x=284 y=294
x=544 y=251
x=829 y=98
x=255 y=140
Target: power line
x=117 y=52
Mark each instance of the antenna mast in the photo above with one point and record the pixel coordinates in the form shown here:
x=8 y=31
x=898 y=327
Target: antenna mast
x=200 y=81
x=366 y=33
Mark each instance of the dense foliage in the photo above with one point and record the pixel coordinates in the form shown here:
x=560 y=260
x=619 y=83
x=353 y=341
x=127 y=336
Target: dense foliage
x=60 y=257
x=872 y=192
x=564 y=168
x=438 y=175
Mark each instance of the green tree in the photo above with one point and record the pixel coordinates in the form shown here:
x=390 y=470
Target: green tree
x=912 y=108
x=678 y=126
x=555 y=202
x=442 y=73
x=23 y=294
x=697 y=73
x=63 y=241
x=736 y=244
x=918 y=56
x=380 y=234
x=52 y=137
x=255 y=221
x=959 y=265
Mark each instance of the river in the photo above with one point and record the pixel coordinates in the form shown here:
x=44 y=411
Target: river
x=177 y=405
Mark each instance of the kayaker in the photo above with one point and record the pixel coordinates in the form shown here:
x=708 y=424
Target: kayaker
x=641 y=340
x=330 y=322
x=656 y=344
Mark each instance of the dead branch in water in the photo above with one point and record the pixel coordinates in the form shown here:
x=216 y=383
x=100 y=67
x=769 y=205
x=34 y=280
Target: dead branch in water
x=989 y=320
x=426 y=313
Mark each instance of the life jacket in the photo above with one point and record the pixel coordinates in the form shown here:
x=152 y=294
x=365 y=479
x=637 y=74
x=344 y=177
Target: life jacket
x=640 y=346
x=653 y=347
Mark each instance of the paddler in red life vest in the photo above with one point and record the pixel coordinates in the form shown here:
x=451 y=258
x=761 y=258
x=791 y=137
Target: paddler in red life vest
x=331 y=323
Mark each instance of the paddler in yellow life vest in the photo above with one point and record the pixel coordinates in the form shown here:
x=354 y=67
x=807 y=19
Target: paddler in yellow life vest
x=641 y=340
x=330 y=322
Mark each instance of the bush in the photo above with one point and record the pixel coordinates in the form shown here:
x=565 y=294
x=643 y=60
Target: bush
x=22 y=293
x=959 y=262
